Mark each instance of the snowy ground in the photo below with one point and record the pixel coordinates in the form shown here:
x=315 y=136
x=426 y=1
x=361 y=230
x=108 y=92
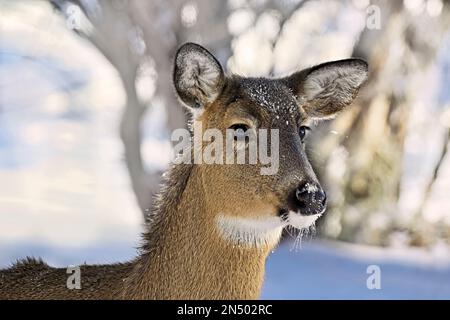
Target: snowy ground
x=328 y=270
x=319 y=270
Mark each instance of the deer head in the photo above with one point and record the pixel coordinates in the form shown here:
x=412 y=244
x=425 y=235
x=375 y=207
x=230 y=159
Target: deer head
x=250 y=207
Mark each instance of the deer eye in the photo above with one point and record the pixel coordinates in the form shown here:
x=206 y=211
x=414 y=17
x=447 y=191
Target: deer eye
x=302 y=132
x=240 y=129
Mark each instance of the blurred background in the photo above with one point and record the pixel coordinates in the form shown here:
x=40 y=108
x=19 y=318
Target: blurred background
x=87 y=108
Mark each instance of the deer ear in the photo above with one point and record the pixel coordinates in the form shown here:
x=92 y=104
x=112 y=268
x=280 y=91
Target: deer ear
x=198 y=76
x=324 y=90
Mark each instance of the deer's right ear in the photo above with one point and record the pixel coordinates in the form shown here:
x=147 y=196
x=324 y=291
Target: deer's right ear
x=198 y=76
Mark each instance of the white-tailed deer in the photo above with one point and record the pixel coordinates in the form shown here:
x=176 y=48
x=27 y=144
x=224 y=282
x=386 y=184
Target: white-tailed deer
x=213 y=225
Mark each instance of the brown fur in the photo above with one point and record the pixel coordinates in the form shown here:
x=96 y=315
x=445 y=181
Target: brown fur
x=33 y=279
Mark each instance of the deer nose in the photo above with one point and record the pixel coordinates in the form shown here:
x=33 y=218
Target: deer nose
x=310 y=199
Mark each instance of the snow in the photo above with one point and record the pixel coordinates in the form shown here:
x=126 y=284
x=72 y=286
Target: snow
x=330 y=270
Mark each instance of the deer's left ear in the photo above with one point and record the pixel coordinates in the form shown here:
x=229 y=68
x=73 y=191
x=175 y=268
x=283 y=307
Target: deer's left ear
x=325 y=89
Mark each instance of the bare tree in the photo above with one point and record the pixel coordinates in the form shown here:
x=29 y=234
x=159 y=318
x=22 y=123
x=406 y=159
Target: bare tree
x=128 y=33
x=373 y=132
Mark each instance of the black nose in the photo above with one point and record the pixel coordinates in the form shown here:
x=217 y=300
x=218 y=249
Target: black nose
x=310 y=199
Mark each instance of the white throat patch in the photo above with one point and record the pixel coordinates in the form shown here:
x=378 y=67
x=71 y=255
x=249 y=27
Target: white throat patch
x=258 y=232
x=251 y=232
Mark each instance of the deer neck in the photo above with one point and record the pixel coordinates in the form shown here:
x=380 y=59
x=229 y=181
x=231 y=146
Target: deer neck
x=186 y=256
